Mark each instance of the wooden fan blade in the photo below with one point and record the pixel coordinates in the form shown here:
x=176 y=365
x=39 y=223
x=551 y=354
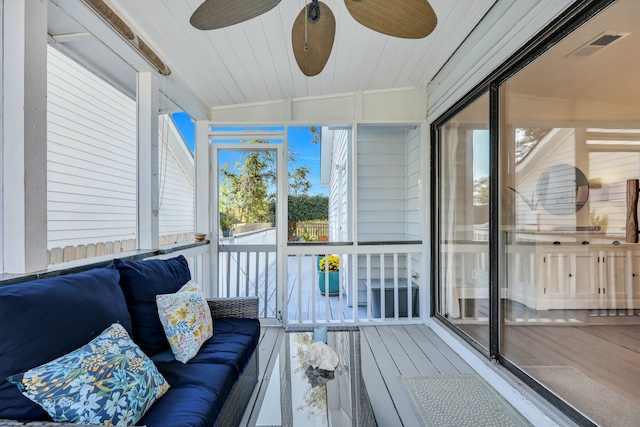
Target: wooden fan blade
x=320 y=35
x=408 y=19
x=213 y=14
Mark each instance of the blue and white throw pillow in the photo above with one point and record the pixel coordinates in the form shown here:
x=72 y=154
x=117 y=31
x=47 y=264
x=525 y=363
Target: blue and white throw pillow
x=186 y=319
x=108 y=381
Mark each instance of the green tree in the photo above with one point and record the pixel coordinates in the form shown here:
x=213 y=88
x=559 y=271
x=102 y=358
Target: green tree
x=303 y=207
x=299 y=181
x=317 y=134
x=245 y=192
x=481 y=191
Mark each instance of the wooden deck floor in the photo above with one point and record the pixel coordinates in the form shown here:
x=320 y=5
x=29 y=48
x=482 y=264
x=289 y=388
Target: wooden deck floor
x=387 y=353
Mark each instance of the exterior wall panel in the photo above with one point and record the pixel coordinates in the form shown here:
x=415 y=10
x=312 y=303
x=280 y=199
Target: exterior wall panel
x=91 y=164
x=92 y=157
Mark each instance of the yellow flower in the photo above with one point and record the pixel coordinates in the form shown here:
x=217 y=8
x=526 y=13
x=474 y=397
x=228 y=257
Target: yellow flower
x=334 y=263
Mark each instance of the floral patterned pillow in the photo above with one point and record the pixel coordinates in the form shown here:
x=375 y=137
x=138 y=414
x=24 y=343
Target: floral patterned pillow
x=186 y=319
x=108 y=381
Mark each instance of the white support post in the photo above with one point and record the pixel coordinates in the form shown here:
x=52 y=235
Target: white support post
x=24 y=136
x=204 y=209
x=424 y=189
x=282 y=227
x=148 y=195
x=203 y=189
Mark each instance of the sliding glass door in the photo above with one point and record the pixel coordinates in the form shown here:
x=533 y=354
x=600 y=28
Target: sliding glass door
x=566 y=129
x=463 y=294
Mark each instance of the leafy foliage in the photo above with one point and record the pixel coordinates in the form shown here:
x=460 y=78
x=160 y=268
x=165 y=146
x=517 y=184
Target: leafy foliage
x=299 y=182
x=303 y=208
x=481 y=191
x=246 y=190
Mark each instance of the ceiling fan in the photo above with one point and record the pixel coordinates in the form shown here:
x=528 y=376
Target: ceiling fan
x=315 y=26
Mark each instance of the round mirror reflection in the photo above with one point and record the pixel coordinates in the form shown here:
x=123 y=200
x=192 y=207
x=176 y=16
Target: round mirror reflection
x=563 y=189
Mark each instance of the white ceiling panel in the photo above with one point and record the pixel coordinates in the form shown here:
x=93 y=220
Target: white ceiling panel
x=253 y=61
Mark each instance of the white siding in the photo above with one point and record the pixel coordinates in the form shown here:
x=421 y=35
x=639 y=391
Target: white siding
x=91 y=178
x=413 y=192
x=339 y=194
x=91 y=164
x=177 y=190
x=413 y=184
x=382 y=184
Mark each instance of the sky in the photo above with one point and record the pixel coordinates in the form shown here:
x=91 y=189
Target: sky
x=299 y=142
x=480 y=153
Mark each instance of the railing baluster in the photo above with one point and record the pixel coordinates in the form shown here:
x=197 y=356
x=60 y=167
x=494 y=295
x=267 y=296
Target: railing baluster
x=257 y=274
x=409 y=286
x=238 y=268
x=266 y=284
x=340 y=312
x=314 y=274
x=396 y=296
x=326 y=288
x=369 y=308
x=354 y=279
x=383 y=303
x=228 y=273
x=299 y=284
x=246 y=273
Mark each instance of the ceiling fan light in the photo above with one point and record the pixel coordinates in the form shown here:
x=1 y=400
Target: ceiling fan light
x=409 y=19
x=214 y=14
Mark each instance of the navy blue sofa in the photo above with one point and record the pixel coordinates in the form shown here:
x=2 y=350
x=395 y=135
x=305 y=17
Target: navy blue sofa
x=41 y=320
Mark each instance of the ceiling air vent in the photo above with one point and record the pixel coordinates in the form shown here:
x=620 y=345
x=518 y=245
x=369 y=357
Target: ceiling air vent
x=598 y=43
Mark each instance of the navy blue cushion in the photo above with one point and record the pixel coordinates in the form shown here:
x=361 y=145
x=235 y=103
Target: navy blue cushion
x=44 y=319
x=196 y=397
x=232 y=344
x=141 y=281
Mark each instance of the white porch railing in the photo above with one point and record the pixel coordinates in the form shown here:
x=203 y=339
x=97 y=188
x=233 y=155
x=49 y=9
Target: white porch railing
x=247 y=267
x=376 y=283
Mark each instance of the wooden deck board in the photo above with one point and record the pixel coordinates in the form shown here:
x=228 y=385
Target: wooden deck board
x=397 y=351
x=269 y=345
x=442 y=356
x=409 y=340
x=383 y=407
x=390 y=373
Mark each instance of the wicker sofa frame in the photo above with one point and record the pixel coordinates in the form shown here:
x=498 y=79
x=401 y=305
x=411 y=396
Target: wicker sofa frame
x=241 y=392
x=238 y=399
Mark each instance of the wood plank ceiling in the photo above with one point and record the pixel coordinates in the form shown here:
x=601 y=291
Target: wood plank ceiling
x=253 y=61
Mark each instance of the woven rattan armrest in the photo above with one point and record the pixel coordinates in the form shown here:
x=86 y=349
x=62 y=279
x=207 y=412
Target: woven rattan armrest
x=234 y=307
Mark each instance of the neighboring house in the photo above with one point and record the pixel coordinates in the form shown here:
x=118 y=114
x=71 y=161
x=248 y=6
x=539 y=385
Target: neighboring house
x=388 y=180
x=91 y=158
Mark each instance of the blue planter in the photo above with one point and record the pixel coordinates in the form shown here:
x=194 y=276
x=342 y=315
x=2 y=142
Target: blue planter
x=334 y=282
